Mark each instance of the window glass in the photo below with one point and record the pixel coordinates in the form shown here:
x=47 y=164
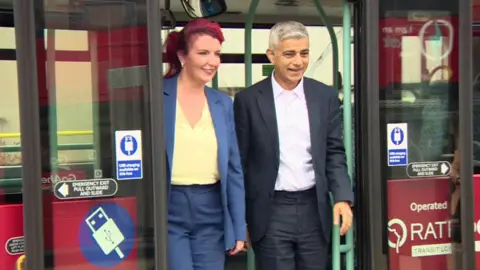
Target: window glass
x=11 y=232
x=418 y=65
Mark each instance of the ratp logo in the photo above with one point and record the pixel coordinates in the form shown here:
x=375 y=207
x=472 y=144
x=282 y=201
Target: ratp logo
x=398 y=229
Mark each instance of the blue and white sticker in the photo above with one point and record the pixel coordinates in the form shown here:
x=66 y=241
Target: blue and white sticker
x=128 y=151
x=106 y=235
x=397 y=146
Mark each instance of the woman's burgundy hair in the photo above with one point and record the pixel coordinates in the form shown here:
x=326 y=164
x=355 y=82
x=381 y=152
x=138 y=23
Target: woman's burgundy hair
x=179 y=41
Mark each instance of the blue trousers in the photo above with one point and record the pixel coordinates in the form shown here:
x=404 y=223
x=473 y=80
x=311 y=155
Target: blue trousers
x=195 y=228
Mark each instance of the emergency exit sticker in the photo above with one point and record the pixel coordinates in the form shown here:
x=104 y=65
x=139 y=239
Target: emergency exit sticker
x=128 y=152
x=397 y=144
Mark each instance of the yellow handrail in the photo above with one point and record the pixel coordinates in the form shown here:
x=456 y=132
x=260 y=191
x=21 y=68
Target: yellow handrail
x=21 y=262
x=60 y=133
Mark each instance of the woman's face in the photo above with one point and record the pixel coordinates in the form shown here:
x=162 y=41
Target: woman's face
x=203 y=58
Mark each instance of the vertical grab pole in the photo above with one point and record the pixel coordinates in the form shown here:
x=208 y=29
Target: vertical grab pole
x=333 y=38
x=215 y=81
x=248 y=82
x=52 y=100
x=92 y=37
x=347 y=114
x=248 y=41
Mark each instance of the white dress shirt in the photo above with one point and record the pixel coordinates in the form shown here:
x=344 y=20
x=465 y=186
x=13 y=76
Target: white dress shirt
x=295 y=172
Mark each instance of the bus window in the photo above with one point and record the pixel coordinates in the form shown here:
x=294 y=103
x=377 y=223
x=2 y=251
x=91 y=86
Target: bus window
x=11 y=232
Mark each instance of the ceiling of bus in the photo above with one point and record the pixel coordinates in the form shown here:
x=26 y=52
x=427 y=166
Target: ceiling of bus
x=268 y=11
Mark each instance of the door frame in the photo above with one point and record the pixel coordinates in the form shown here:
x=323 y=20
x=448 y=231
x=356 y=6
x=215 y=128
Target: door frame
x=25 y=38
x=372 y=255
x=370 y=187
x=26 y=14
x=465 y=78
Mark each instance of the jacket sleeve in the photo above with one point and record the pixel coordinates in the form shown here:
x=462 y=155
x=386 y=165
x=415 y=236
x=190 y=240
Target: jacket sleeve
x=235 y=182
x=242 y=129
x=336 y=166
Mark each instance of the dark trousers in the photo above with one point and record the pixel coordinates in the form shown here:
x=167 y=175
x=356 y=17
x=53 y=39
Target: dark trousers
x=195 y=228
x=294 y=239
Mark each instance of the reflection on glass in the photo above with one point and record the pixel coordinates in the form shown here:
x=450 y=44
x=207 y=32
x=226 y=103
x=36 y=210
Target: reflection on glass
x=476 y=124
x=92 y=218
x=419 y=114
x=11 y=211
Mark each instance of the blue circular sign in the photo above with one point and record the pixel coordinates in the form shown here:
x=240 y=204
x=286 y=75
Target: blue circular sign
x=106 y=235
x=397 y=136
x=128 y=145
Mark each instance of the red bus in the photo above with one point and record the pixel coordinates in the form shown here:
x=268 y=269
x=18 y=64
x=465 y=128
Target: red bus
x=76 y=74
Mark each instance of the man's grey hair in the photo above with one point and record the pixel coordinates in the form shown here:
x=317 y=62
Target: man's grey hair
x=286 y=30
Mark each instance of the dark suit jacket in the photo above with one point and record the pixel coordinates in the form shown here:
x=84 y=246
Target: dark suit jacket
x=257 y=134
x=231 y=175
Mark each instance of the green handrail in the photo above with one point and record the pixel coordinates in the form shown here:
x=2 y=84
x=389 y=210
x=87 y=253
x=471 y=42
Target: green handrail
x=52 y=98
x=337 y=248
x=248 y=82
x=215 y=82
x=96 y=102
x=333 y=39
x=17 y=182
x=11 y=183
x=348 y=248
x=60 y=147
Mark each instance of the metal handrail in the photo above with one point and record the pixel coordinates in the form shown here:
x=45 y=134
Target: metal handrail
x=59 y=133
x=337 y=248
x=61 y=147
x=248 y=82
x=17 y=182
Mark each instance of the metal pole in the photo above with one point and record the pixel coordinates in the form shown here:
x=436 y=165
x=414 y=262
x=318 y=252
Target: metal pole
x=97 y=168
x=347 y=115
x=52 y=102
x=215 y=81
x=323 y=16
x=25 y=36
x=333 y=38
x=155 y=90
x=248 y=82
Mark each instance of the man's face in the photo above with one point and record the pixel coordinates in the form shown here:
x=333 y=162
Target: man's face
x=290 y=59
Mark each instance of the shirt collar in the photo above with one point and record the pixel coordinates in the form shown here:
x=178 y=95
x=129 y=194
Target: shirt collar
x=278 y=90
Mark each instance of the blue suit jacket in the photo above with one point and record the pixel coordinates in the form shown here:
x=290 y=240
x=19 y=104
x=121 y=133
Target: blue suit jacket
x=229 y=165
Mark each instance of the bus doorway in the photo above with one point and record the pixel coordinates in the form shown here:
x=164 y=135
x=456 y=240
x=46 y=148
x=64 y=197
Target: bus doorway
x=88 y=85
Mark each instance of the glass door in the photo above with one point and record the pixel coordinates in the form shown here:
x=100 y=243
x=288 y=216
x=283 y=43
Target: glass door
x=418 y=187
x=476 y=119
x=11 y=209
x=87 y=110
x=422 y=135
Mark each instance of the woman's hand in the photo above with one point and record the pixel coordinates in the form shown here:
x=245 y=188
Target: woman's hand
x=248 y=244
x=239 y=245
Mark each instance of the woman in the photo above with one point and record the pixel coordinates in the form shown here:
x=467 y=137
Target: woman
x=206 y=212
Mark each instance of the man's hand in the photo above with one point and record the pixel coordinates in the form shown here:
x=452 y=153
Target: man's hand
x=239 y=245
x=342 y=209
x=248 y=244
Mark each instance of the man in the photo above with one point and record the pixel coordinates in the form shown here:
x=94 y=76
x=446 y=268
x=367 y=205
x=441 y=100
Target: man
x=290 y=139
